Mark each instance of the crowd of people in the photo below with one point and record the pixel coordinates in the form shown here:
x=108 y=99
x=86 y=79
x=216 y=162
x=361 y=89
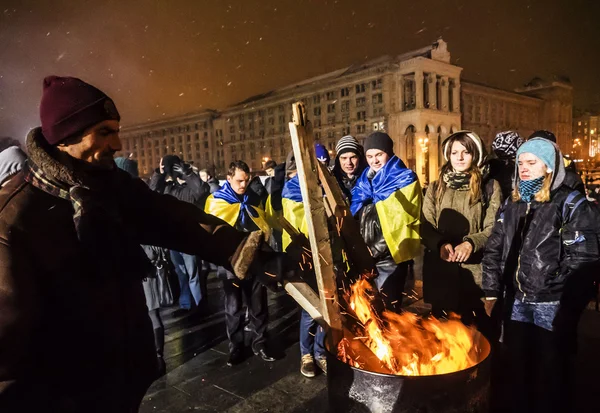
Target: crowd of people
x=510 y=244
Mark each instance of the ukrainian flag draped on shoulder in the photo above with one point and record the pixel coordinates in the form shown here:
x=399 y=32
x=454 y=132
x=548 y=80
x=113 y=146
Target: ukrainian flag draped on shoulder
x=397 y=196
x=293 y=209
x=228 y=206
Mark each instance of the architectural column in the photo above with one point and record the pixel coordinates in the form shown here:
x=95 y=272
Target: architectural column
x=400 y=106
x=419 y=89
x=432 y=80
x=433 y=156
x=456 y=96
x=420 y=136
x=445 y=93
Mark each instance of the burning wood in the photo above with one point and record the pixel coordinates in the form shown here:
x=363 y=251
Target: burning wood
x=405 y=343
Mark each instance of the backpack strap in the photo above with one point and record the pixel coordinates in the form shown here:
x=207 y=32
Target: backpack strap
x=572 y=202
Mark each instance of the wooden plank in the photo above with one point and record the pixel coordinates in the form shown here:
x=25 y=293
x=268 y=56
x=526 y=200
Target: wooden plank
x=301 y=292
x=316 y=220
x=348 y=228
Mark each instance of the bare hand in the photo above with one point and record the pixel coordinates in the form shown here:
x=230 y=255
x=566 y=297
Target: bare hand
x=463 y=251
x=489 y=306
x=447 y=253
x=162 y=168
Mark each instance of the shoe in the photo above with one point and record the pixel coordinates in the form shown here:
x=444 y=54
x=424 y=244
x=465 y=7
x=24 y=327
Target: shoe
x=307 y=367
x=264 y=355
x=235 y=357
x=321 y=363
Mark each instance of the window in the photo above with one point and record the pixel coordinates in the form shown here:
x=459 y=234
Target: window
x=317 y=111
x=242 y=136
x=331 y=108
x=346 y=130
x=317 y=123
x=270 y=111
x=282 y=129
x=345 y=92
x=231 y=129
x=233 y=138
x=317 y=135
x=377 y=84
x=361 y=88
x=331 y=134
x=330 y=95
x=361 y=115
x=188 y=138
x=346 y=106
x=281 y=108
x=377 y=98
x=205 y=145
x=360 y=128
x=271 y=121
x=317 y=99
x=281 y=119
x=331 y=120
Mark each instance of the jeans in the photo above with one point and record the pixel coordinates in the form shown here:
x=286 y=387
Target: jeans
x=312 y=337
x=390 y=283
x=186 y=267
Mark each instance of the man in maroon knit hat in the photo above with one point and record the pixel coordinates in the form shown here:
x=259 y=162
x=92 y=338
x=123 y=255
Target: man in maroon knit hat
x=74 y=329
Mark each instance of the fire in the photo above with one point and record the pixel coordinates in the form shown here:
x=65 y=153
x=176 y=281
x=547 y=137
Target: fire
x=408 y=345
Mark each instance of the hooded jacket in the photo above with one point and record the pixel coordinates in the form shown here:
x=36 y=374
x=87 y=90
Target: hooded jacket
x=542 y=252
x=74 y=329
x=195 y=191
x=12 y=160
x=346 y=182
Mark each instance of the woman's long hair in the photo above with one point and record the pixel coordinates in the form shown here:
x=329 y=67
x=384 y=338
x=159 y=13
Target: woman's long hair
x=543 y=195
x=475 y=184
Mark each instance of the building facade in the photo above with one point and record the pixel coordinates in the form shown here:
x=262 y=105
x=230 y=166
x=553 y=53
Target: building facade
x=418 y=98
x=585 y=137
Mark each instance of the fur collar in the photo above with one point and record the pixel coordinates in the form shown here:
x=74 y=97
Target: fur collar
x=44 y=157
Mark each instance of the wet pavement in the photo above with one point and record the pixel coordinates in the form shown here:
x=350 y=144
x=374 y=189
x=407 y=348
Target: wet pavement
x=198 y=379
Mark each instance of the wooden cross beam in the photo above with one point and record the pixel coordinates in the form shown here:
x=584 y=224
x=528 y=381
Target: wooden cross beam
x=316 y=220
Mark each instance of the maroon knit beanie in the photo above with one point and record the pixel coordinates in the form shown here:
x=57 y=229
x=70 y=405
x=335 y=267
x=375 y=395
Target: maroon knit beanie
x=69 y=106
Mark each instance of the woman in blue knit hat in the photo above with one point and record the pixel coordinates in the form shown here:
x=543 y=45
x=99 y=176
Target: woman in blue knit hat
x=541 y=256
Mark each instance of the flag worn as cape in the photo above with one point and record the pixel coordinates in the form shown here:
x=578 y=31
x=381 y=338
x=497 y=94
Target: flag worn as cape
x=293 y=209
x=228 y=206
x=397 y=196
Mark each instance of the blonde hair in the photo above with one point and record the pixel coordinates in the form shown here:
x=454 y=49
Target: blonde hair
x=543 y=195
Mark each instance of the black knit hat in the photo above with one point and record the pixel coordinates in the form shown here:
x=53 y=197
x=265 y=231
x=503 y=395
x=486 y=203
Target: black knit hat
x=545 y=134
x=381 y=141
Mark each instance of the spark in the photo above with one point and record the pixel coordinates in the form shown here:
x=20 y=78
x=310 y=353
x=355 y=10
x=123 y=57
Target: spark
x=236 y=285
x=270 y=275
x=229 y=83
x=181 y=94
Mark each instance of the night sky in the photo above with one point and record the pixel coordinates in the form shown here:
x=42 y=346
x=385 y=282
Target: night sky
x=163 y=58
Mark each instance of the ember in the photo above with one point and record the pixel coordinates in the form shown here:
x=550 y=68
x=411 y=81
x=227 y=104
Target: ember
x=407 y=344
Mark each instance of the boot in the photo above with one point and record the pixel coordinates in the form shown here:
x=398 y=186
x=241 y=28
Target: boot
x=159 y=342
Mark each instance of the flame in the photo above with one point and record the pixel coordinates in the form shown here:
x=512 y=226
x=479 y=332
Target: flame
x=408 y=345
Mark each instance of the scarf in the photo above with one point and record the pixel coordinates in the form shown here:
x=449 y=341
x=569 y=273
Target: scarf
x=459 y=181
x=528 y=189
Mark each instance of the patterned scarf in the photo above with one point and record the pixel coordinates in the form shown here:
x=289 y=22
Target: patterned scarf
x=528 y=189
x=459 y=181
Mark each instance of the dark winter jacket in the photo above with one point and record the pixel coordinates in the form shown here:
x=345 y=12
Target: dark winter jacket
x=74 y=329
x=542 y=252
x=194 y=190
x=213 y=184
x=503 y=171
x=259 y=189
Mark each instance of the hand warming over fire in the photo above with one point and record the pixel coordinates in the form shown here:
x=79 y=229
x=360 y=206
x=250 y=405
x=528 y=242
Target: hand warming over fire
x=447 y=253
x=462 y=252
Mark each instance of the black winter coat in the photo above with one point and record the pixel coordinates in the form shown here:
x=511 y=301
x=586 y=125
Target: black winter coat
x=542 y=251
x=195 y=190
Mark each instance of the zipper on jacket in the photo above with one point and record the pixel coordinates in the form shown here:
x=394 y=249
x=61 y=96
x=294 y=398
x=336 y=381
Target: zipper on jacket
x=521 y=250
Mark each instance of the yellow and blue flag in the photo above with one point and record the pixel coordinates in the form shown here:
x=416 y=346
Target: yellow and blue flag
x=397 y=196
x=293 y=209
x=231 y=207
